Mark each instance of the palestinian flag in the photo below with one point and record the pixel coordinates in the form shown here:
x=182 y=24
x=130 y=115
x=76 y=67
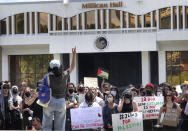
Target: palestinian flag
x=102 y=73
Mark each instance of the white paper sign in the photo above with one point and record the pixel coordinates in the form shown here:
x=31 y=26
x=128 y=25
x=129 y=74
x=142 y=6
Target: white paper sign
x=86 y=118
x=90 y=81
x=149 y=106
x=127 y=121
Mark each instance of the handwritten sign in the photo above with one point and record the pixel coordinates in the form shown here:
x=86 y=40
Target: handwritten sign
x=86 y=118
x=171 y=117
x=90 y=82
x=127 y=121
x=149 y=106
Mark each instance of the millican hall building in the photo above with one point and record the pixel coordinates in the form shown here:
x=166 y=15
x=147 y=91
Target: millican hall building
x=137 y=41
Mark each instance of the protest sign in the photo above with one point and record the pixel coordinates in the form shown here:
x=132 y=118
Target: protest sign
x=127 y=121
x=90 y=82
x=171 y=117
x=149 y=106
x=86 y=118
x=102 y=73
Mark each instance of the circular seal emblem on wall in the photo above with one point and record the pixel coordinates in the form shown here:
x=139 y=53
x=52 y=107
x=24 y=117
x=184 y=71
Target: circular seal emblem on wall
x=101 y=43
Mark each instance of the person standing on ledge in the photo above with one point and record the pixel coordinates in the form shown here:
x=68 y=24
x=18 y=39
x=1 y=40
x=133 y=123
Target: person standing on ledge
x=57 y=106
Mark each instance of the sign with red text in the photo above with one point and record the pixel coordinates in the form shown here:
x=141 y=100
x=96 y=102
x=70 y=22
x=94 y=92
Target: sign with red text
x=86 y=118
x=127 y=121
x=149 y=106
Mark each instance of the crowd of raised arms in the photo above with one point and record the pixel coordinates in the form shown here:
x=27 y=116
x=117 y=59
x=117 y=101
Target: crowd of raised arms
x=19 y=110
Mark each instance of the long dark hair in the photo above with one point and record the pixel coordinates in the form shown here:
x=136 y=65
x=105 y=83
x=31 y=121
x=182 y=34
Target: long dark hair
x=56 y=71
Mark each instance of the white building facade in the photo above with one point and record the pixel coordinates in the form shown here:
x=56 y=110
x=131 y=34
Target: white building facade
x=137 y=41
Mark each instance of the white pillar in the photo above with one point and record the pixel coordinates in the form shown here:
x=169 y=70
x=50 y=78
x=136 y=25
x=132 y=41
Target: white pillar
x=172 y=14
x=151 y=18
x=162 y=66
x=57 y=56
x=5 y=66
x=102 y=20
x=107 y=19
x=136 y=21
x=157 y=22
x=142 y=21
x=178 y=17
x=74 y=73
x=13 y=24
x=25 y=23
x=145 y=68
x=36 y=23
x=69 y=23
x=83 y=21
x=121 y=19
x=127 y=19
x=77 y=22
x=183 y=9
x=96 y=19
x=30 y=22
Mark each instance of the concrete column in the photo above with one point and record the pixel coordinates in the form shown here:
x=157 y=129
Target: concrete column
x=74 y=74
x=145 y=68
x=30 y=22
x=183 y=9
x=127 y=19
x=162 y=66
x=96 y=19
x=102 y=20
x=36 y=23
x=77 y=22
x=57 y=56
x=83 y=21
x=25 y=23
x=5 y=66
x=136 y=21
x=69 y=24
x=121 y=19
x=151 y=18
x=172 y=14
x=107 y=19
x=178 y=17
x=142 y=21
x=13 y=24
x=157 y=22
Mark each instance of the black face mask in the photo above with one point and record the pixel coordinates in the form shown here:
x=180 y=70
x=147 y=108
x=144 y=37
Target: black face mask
x=27 y=94
x=71 y=91
x=14 y=91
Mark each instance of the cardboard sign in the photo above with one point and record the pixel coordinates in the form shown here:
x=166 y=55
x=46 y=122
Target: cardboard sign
x=86 y=118
x=127 y=121
x=171 y=117
x=149 y=106
x=90 y=82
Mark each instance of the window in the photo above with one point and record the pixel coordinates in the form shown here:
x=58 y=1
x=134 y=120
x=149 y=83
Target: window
x=165 y=18
x=29 y=68
x=175 y=17
x=186 y=16
x=73 y=23
x=104 y=19
x=19 y=23
x=139 y=21
x=3 y=26
x=131 y=20
x=180 y=17
x=114 y=18
x=51 y=22
x=177 y=67
x=43 y=22
x=33 y=22
x=147 y=20
x=90 y=20
x=58 y=23
x=65 y=23
x=10 y=25
x=154 y=19
x=99 y=19
x=124 y=19
x=28 y=23
x=80 y=21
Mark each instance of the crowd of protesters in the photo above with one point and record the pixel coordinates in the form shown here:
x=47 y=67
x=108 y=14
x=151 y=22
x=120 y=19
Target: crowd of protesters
x=19 y=110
